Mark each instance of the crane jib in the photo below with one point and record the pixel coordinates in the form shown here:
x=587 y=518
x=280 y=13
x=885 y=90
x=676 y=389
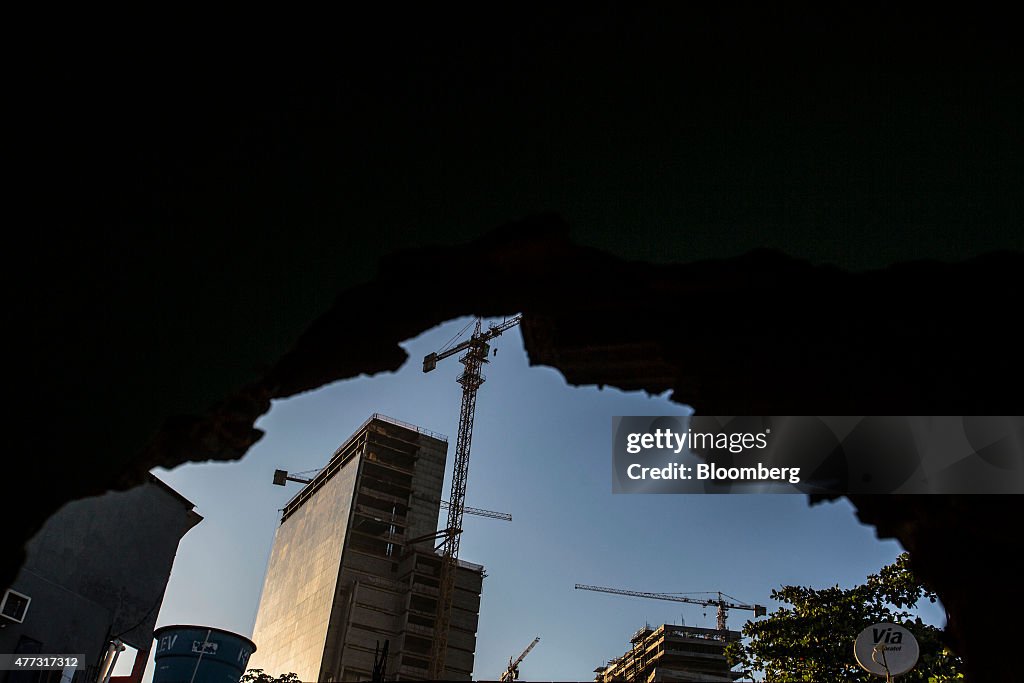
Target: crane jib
x=720 y=603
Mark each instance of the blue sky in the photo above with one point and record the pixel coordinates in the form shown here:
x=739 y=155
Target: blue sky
x=541 y=451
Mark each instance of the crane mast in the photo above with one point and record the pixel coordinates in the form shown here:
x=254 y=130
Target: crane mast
x=476 y=350
x=720 y=603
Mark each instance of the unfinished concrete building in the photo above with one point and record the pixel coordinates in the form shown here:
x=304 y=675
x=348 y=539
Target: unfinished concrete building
x=345 y=574
x=673 y=653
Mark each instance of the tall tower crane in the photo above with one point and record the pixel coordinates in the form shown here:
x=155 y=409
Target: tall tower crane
x=719 y=602
x=476 y=351
x=512 y=672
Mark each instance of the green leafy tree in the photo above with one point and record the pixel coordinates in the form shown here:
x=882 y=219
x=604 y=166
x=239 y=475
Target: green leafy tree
x=260 y=676
x=812 y=640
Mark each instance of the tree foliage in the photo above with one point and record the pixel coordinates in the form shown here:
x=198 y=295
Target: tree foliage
x=260 y=676
x=812 y=640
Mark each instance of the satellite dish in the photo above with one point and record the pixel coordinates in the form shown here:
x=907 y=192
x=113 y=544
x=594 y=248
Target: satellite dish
x=886 y=649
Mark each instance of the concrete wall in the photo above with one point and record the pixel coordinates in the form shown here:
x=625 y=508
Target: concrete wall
x=428 y=479
x=464 y=621
x=98 y=569
x=299 y=588
x=365 y=614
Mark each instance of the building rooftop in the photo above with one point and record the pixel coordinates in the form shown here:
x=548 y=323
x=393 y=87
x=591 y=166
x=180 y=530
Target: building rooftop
x=670 y=652
x=342 y=454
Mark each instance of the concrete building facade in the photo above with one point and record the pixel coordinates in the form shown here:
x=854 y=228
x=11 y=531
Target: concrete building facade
x=346 y=572
x=96 y=571
x=673 y=653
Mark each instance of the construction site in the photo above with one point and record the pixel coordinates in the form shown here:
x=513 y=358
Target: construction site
x=673 y=653
x=676 y=653
x=352 y=566
x=363 y=583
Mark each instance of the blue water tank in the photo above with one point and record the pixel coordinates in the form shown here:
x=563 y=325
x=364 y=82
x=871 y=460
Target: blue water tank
x=200 y=654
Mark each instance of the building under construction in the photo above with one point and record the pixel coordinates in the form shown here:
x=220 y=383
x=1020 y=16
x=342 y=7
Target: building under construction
x=348 y=572
x=673 y=653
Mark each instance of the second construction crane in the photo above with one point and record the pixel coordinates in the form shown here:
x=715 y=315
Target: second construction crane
x=720 y=602
x=512 y=672
x=477 y=349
